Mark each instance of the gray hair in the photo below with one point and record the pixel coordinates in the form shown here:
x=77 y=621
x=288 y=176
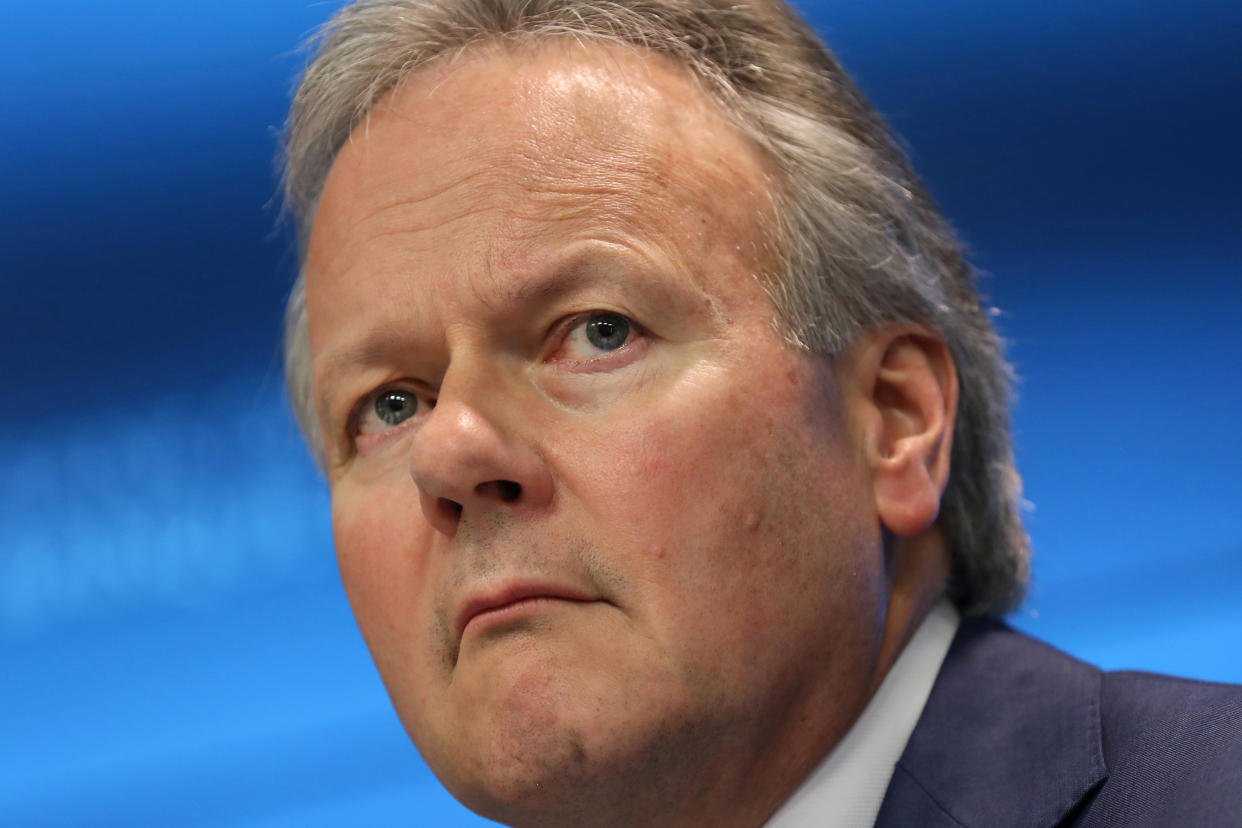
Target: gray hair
x=861 y=242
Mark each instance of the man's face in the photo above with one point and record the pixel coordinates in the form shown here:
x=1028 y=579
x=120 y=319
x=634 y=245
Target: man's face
x=606 y=535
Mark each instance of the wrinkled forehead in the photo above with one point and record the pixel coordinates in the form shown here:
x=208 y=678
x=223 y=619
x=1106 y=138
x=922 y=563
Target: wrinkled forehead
x=558 y=117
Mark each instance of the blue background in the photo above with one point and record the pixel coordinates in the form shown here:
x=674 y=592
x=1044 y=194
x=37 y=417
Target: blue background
x=174 y=642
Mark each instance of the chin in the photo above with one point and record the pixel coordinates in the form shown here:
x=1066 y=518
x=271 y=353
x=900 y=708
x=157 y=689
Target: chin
x=541 y=781
x=510 y=731
x=529 y=763
x=548 y=746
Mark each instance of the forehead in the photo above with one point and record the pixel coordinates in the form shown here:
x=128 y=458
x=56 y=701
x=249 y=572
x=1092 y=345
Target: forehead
x=594 y=132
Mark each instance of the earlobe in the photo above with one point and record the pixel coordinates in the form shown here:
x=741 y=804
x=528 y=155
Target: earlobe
x=907 y=382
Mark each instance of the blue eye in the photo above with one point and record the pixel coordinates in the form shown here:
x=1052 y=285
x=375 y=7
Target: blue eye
x=388 y=409
x=591 y=336
x=607 y=331
x=395 y=407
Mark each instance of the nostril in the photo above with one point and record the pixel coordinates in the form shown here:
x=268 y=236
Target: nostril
x=506 y=491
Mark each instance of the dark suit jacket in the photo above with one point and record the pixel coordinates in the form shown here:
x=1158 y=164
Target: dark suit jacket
x=1017 y=734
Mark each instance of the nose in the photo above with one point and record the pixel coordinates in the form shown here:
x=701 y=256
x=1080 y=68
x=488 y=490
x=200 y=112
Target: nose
x=464 y=466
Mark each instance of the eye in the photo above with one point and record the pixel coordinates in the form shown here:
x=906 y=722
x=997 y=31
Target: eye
x=608 y=332
x=596 y=334
x=388 y=409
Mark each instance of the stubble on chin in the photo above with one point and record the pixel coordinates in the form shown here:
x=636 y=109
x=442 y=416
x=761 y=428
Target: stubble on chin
x=638 y=770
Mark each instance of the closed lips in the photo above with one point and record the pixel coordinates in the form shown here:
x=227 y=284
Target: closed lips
x=509 y=597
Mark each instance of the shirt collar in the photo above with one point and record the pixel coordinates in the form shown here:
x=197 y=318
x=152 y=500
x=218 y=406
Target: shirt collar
x=846 y=789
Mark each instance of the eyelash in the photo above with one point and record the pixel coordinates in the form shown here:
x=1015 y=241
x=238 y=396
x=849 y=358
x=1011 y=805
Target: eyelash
x=366 y=408
x=604 y=359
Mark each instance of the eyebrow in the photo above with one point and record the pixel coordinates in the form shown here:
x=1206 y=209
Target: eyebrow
x=604 y=263
x=375 y=347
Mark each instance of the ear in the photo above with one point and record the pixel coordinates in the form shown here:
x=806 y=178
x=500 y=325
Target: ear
x=903 y=388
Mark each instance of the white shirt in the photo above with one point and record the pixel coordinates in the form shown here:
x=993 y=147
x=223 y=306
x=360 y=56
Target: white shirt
x=846 y=790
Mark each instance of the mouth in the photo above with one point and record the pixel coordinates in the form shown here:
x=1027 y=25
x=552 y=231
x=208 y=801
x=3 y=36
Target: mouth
x=510 y=600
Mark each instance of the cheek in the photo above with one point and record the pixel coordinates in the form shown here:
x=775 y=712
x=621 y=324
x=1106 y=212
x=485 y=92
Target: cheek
x=740 y=489
x=380 y=538
x=711 y=447
x=644 y=477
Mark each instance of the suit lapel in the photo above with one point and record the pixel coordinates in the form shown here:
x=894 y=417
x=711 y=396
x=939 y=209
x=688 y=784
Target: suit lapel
x=1009 y=736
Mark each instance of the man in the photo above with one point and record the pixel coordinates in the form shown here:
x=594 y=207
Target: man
x=667 y=439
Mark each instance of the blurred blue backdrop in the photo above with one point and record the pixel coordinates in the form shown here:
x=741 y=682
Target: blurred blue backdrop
x=176 y=647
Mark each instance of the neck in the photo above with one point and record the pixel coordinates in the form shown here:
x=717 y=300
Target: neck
x=918 y=576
